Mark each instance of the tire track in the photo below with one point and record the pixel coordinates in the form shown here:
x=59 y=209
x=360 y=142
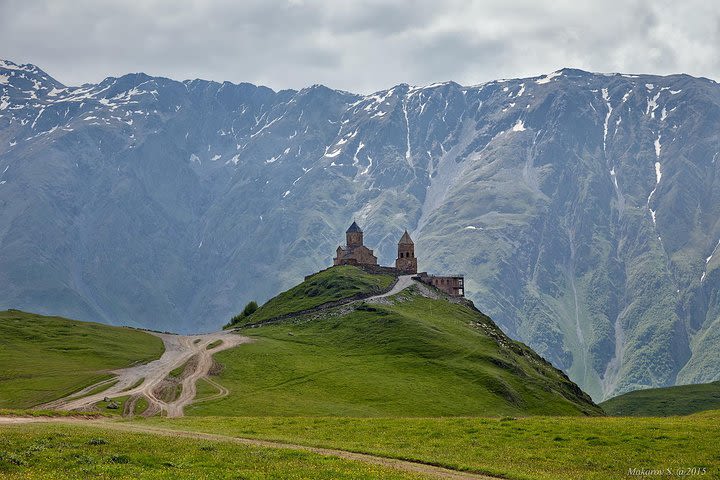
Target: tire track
x=142 y=380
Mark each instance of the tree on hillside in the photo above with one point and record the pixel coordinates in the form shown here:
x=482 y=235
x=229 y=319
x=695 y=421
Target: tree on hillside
x=247 y=311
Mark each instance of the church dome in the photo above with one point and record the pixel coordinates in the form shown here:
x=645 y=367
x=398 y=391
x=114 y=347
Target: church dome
x=354 y=228
x=405 y=239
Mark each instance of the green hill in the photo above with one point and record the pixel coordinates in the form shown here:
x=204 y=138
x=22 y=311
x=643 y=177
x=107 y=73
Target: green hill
x=333 y=284
x=408 y=356
x=665 y=402
x=45 y=358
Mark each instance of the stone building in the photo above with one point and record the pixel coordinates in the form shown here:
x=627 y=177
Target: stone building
x=406 y=262
x=354 y=252
x=453 y=285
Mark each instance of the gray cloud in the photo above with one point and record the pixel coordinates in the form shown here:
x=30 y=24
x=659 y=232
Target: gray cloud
x=362 y=45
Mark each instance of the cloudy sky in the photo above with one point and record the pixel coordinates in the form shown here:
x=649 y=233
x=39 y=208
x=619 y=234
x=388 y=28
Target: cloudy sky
x=360 y=46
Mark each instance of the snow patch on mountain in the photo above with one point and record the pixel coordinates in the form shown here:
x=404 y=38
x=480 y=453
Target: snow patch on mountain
x=548 y=78
x=606 y=97
x=519 y=126
x=652 y=105
x=613 y=176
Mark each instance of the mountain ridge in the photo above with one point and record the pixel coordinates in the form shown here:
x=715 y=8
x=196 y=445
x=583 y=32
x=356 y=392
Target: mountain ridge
x=580 y=206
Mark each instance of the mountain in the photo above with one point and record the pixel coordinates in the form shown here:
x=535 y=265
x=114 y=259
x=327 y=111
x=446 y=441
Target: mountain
x=583 y=208
x=412 y=353
x=664 y=402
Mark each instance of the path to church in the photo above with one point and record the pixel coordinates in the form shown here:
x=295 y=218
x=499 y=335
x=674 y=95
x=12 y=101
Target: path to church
x=403 y=282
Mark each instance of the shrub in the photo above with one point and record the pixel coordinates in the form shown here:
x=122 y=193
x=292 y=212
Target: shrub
x=249 y=309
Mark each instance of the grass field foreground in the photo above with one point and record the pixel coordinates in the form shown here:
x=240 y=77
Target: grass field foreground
x=593 y=448
x=59 y=452
x=45 y=358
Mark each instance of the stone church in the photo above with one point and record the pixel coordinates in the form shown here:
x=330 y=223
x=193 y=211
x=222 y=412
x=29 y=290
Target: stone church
x=356 y=253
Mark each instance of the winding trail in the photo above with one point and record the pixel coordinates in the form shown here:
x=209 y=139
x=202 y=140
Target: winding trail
x=126 y=426
x=143 y=380
x=146 y=380
x=222 y=391
x=403 y=282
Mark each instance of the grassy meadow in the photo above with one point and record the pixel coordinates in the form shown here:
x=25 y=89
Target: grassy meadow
x=411 y=378
x=60 y=451
x=663 y=402
x=45 y=358
x=547 y=448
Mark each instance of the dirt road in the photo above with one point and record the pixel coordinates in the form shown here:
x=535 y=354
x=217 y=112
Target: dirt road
x=143 y=380
x=403 y=282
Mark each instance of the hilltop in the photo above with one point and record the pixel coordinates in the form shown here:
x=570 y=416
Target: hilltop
x=416 y=352
x=332 y=285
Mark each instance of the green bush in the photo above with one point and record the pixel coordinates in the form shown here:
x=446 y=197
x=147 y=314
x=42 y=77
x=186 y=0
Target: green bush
x=247 y=311
x=250 y=308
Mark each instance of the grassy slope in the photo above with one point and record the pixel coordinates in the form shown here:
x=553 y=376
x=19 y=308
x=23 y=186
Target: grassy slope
x=418 y=357
x=662 y=402
x=83 y=451
x=548 y=448
x=44 y=358
x=327 y=286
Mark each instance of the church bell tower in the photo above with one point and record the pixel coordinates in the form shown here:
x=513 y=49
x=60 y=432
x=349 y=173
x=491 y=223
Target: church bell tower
x=406 y=261
x=354 y=236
